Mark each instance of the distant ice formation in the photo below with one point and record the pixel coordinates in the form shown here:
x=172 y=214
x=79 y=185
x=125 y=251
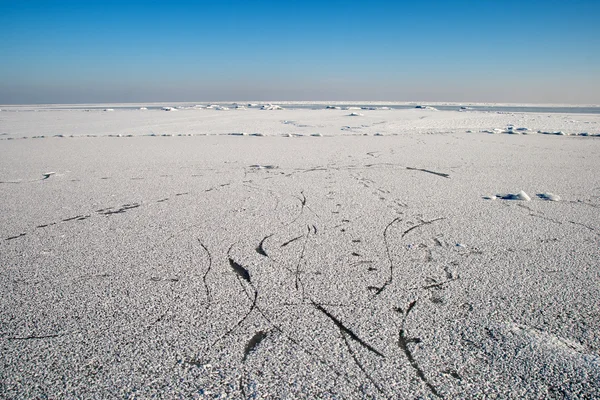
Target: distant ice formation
x=271 y=107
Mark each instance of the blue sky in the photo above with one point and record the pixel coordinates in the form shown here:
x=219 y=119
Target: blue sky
x=136 y=51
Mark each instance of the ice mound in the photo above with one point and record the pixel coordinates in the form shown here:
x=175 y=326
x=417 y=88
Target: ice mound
x=259 y=166
x=316 y=134
x=143 y=108
x=518 y=196
x=168 y=109
x=426 y=108
x=587 y=134
x=271 y=107
x=548 y=196
x=558 y=133
x=353 y=114
x=510 y=129
x=109 y=109
x=333 y=108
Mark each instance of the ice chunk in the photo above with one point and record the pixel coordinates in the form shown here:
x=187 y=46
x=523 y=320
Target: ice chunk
x=548 y=196
x=518 y=196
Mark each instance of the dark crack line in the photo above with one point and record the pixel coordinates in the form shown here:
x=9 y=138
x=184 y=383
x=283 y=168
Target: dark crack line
x=303 y=202
x=16 y=237
x=443 y=175
x=583 y=225
x=302 y=205
x=240 y=322
x=241 y=273
x=346 y=330
x=293 y=340
x=538 y=214
x=423 y=223
x=403 y=343
x=204 y=277
x=297 y=273
x=436 y=285
x=359 y=364
x=45 y=225
x=121 y=210
x=389 y=255
x=292 y=240
x=260 y=249
x=584 y=203
x=77 y=217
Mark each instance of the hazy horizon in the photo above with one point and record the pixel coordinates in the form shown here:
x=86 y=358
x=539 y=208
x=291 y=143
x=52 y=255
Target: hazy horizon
x=58 y=52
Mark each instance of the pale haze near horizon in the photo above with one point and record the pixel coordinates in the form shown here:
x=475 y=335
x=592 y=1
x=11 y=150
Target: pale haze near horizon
x=94 y=52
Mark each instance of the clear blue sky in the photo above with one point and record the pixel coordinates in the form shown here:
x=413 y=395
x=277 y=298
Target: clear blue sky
x=135 y=51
